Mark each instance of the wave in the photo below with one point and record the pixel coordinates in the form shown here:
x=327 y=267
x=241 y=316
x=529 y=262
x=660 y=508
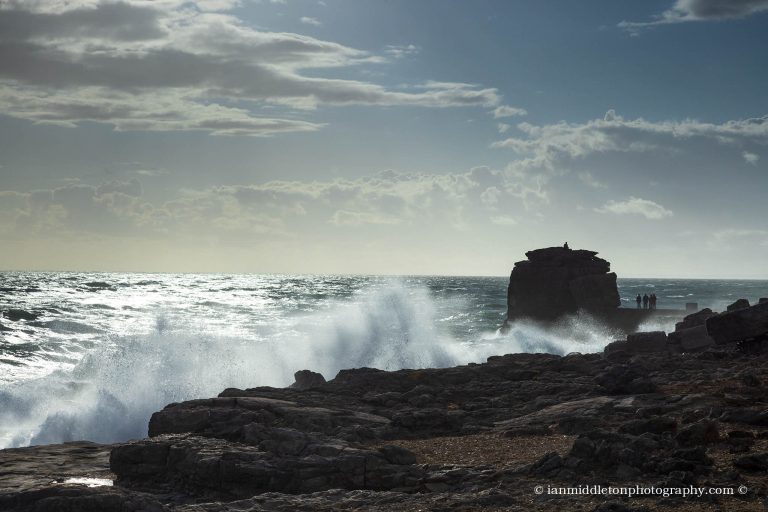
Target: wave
x=110 y=395
x=65 y=326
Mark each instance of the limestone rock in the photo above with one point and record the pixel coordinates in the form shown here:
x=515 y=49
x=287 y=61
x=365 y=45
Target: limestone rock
x=753 y=462
x=654 y=341
x=215 y=468
x=306 y=379
x=702 y=432
x=739 y=324
x=739 y=304
x=555 y=281
x=692 y=339
x=695 y=319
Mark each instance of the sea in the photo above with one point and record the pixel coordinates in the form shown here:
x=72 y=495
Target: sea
x=106 y=350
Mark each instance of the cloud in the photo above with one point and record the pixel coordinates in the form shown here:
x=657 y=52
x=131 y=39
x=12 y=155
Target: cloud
x=729 y=234
x=700 y=10
x=590 y=181
x=307 y=20
x=277 y=209
x=503 y=127
x=504 y=220
x=172 y=65
x=613 y=133
x=636 y=206
x=507 y=111
x=750 y=158
x=401 y=51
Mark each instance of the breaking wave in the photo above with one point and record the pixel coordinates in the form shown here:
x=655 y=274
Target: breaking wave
x=111 y=393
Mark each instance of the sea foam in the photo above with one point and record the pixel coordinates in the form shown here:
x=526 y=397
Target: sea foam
x=110 y=395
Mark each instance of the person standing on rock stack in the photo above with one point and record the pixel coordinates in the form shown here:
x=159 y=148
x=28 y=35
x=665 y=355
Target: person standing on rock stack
x=645 y=301
x=638 y=300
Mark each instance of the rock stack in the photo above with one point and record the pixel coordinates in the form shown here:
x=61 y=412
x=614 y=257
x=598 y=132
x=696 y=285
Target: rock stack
x=556 y=281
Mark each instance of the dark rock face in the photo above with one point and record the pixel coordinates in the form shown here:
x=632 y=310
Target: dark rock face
x=306 y=379
x=557 y=281
x=739 y=304
x=654 y=341
x=753 y=462
x=692 y=339
x=741 y=324
x=695 y=319
x=217 y=469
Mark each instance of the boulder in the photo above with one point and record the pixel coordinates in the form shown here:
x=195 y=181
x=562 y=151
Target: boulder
x=753 y=462
x=306 y=379
x=692 y=338
x=739 y=324
x=739 y=304
x=615 y=347
x=702 y=432
x=654 y=341
x=624 y=379
x=695 y=319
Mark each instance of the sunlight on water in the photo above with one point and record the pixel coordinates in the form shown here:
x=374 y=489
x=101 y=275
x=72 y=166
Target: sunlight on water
x=96 y=363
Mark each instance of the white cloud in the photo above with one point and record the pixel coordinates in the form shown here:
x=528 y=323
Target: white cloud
x=401 y=51
x=728 y=234
x=503 y=127
x=508 y=111
x=307 y=20
x=589 y=180
x=614 y=133
x=700 y=10
x=636 y=206
x=750 y=158
x=166 y=66
x=504 y=220
x=278 y=208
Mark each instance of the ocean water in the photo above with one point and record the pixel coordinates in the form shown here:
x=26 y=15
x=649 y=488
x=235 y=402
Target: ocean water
x=108 y=349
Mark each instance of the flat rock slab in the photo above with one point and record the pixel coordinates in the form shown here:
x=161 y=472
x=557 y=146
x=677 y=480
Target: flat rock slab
x=42 y=466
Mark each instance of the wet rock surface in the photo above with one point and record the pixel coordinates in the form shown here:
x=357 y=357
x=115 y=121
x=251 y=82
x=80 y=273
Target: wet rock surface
x=474 y=437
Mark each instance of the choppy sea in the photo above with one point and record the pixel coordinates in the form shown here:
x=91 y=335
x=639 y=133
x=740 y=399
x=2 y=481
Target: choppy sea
x=107 y=349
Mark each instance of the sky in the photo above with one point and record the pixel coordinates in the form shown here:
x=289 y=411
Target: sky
x=383 y=136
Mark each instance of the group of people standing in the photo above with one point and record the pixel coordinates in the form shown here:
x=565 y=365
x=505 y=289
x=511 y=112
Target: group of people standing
x=648 y=302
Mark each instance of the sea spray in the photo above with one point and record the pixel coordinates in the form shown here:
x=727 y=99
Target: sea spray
x=110 y=395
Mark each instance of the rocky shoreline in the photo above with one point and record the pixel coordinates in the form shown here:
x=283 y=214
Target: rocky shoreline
x=678 y=412
x=473 y=437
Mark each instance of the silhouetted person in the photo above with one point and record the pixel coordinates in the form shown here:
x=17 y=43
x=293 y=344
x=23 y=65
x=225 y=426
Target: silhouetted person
x=645 y=301
x=638 y=300
x=653 y=301
x=565 y=245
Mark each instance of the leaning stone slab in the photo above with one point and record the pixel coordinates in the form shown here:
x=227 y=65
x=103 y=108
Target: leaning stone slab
x=693 y=338
x=695 y=319
x=739 y=325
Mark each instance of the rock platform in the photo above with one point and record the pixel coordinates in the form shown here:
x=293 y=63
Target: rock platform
x=473 y=437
